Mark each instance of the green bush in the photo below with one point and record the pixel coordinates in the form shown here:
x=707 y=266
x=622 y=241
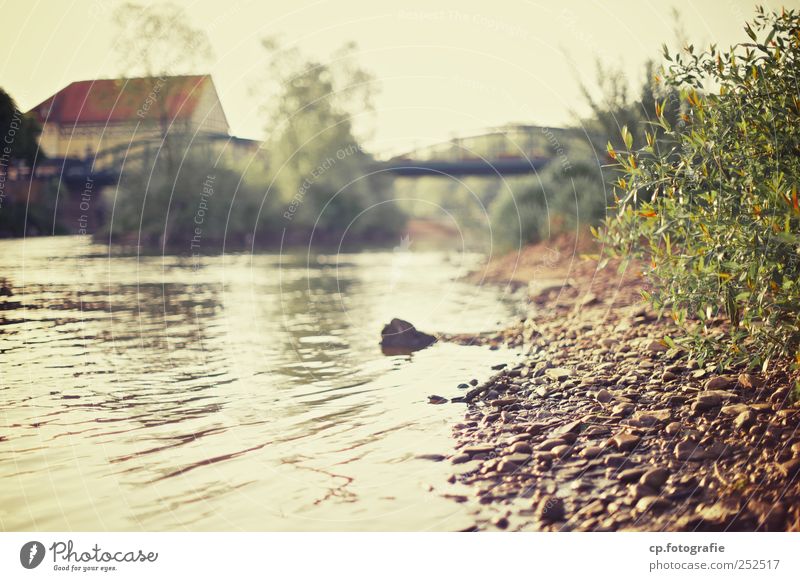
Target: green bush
x=716 y=215
x=561 y=199
x=182 y=196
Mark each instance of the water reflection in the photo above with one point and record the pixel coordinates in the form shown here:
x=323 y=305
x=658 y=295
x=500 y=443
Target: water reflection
x=240 y=392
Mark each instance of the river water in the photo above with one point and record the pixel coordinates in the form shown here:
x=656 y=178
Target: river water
x=234 y=392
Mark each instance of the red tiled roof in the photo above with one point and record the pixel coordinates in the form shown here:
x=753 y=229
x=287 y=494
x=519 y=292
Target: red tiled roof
x=123 y=100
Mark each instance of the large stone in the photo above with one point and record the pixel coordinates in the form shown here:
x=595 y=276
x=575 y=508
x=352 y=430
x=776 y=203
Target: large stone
x=402 y=336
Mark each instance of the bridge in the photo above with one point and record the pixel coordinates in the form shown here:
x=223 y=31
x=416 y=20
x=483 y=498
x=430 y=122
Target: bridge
x=503 y=151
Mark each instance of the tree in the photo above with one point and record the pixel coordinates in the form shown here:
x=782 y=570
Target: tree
x=318 y=170
x=158 y=40
x=19 y=131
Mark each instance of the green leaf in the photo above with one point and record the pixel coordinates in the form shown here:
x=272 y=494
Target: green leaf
x=627 y=138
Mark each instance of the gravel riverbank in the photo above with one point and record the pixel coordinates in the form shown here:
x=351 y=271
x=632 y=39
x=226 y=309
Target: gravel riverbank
x=602 y=427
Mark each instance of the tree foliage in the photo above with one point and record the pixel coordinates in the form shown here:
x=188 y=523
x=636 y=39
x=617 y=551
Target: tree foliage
x=716 y=214
x=20 y=132
x=320 y=176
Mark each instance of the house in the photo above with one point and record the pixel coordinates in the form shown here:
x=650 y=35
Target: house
x=89 y=117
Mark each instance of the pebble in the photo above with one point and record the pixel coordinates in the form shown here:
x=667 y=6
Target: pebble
x=501 y=522
x=653 y=504
x=550 y=509
x=625 y=442
x=719 y=382
x=592 y=452
x=744 y=420
x=716 y=514
x=615 y=460
x=521 y=448
x=655 y=478
x=706 y=401
x=734 y=409
x=520 y=459
x=687 y=450
x=569 y=428
x=477 y=449
x=631 y=474
x=437 y=399
x=651 y=417
x=461 y=458
x=603 y=396
x=673 y=428
x=639 y=490
x=750 y=381
x=562 y=451
x=771 y=515
x=548 y=445
x=433 y=457
x=558 y=373
x=622 y=409
x=790 y=469
x=507 y=467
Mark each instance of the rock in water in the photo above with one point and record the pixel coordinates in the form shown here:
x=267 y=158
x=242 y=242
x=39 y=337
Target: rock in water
x=400 y=336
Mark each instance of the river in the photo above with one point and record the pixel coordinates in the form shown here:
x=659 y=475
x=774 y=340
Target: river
x=244 y=391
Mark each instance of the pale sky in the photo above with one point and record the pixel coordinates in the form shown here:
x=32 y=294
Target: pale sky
x=444 y=68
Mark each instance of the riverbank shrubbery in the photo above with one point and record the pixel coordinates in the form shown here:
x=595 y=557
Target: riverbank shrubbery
x=180 y=193
x=572 y=193
x=559 y=199
x=716 y=216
